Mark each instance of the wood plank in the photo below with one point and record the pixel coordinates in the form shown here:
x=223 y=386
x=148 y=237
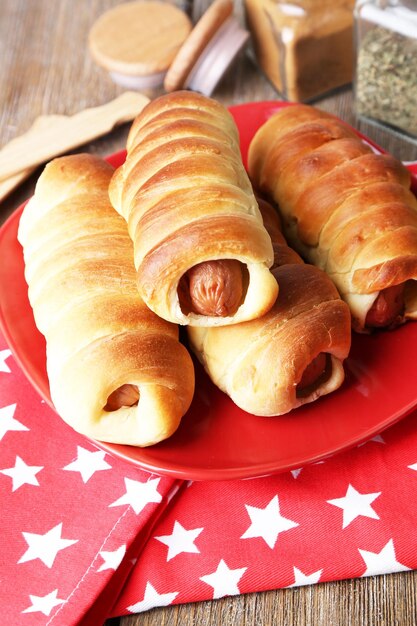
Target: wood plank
x=373 y=601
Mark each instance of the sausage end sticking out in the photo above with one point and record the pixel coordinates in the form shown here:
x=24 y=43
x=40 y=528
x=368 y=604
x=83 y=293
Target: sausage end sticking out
x=386 y=308
x=212 y=288
x=314 y=375
x=126 y=395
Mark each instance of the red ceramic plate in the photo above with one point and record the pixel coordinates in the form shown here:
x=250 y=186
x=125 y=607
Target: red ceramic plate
x=217 y=440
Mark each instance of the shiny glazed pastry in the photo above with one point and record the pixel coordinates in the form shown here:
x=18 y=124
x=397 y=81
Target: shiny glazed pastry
x=292 y=355
x=201 y=251
x=344 y=208
x=117 y=372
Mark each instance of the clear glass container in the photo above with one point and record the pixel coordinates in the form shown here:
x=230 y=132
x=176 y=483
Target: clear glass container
x=305 y=47
x=386 y=63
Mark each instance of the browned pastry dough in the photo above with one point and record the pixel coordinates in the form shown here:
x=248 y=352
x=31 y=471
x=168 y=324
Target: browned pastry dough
x=292 y=355
x=201 y=250
x=117 y=372
x=344 y=208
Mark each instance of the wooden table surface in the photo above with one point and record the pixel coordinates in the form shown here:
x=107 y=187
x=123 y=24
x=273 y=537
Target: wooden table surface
x=46 y=68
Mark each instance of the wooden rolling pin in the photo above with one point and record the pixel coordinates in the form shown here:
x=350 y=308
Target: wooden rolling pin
x=52 y=135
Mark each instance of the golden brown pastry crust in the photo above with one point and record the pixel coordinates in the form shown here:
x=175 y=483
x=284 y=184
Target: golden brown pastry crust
x=260 y=362
x=344 y=208
x=187 y=199
x=99 y=333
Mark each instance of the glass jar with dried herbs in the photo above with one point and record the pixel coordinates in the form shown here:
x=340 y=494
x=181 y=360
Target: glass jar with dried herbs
x=386 y=62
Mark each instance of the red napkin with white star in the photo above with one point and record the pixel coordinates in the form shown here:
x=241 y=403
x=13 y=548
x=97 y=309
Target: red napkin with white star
x=85 y=536
x=353 y=515
x=73 y=518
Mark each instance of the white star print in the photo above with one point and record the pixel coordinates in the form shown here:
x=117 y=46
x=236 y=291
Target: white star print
x=267 y=523
x=180 y=540
x=383 y=562
x=413 y=467
x=22 y=474
x=4 y=355
x=138 y=494
x=7 y=421
x=44 y=604
x=152 y=599
x=296 y=472
x=376 y=439
x=87 y=463
x=355 y=504
x=224 y=580
x=113 y=559
x=45 y=547
x=305 y=579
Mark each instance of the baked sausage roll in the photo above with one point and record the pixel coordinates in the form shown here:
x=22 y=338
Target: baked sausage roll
x=292 y=355
x=344 y=208
x=117 y=372
x=201 y=251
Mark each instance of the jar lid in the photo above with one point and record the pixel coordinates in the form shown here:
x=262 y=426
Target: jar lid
x=400 y=19
x=208 y=50
x=137 y=41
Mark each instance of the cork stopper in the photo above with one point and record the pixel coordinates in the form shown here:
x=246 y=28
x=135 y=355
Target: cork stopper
x=137 y=41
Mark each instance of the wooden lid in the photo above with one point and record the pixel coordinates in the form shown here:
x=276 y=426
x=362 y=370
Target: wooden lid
x=217 y=57
x=199 y=38
x=139 y=38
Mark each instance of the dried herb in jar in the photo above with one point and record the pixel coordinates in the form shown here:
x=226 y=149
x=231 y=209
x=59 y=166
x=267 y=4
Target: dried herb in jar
x=386 y=80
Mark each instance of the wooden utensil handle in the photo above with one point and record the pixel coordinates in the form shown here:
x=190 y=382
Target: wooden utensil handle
x=9 y=184
x=64 y=133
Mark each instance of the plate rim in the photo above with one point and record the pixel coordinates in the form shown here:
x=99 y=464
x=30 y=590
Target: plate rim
x=183 y=471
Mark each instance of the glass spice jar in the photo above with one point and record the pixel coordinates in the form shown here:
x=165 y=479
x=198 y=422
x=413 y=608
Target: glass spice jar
x=386 y=63
x=305 y=47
